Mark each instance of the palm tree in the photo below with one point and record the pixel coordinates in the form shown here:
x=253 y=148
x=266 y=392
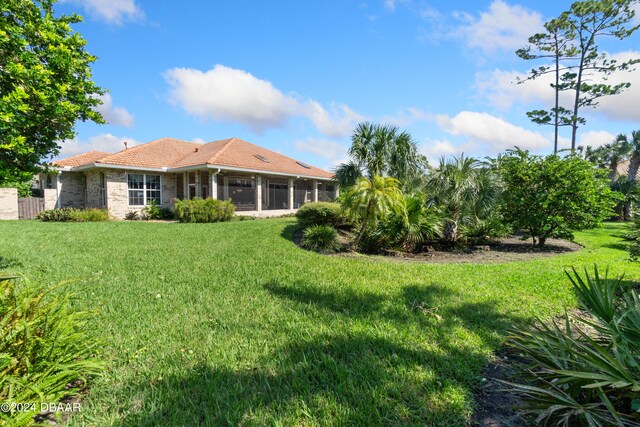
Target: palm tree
x=463 y=187
x=380 y=150
x=371 y=199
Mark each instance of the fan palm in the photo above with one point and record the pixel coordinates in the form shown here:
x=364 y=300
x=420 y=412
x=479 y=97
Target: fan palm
x=462 y=186
x=380 y=150
x=371 y=199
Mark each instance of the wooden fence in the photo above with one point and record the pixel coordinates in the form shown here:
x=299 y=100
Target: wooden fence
x=28 y=207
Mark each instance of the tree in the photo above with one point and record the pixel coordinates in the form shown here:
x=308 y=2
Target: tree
x=462 y=187
x=573 y=38
x=380 y=150
x=553 y=196
x=45 y=85
x=552 y=44
x=609 y=156
x=369 y=200
x=586 y=22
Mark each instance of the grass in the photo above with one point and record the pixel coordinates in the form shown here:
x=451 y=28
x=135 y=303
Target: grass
x=231 y=323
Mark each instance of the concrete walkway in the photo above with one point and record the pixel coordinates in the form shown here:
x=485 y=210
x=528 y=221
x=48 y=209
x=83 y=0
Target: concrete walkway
x=267 y=213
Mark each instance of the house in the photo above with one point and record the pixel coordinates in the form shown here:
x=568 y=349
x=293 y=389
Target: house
x=252 y=177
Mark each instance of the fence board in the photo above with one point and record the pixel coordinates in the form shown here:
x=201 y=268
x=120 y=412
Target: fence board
x=28 y=207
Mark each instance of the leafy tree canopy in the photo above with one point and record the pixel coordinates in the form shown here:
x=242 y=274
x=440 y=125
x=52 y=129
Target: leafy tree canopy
x=553 y=196
x=45 y=85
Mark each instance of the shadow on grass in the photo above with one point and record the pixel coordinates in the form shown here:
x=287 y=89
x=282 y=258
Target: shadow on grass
x=289 y=231
x=6 y=263
x=413 y=374
x=621 y=246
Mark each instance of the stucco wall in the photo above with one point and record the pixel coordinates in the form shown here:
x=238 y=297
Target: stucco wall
x=8 y=203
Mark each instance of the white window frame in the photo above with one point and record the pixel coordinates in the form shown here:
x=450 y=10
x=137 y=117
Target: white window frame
x=144 y=188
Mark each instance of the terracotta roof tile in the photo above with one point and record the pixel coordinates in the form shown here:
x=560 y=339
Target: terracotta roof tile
x=173 y=153
x=81 y=159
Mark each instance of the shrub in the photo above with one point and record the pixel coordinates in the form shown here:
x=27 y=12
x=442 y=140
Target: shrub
x=46 y=354
x=90 y=215
x=73 y=215
x=321 y=238
x=132 y=216
x=57 y=215
x=243 y=218
x=320 y=213
x=585 y=370
x=479 y=230
x=152 y=211
x=204 y=210
x=553 y=196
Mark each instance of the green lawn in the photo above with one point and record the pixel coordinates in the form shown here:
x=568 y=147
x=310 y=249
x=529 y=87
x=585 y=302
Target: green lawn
x=232 y=323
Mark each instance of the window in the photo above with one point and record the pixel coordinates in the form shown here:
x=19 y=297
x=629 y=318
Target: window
x=304 y=165
x=262 y=158
x=143 y=189
x=103 y=190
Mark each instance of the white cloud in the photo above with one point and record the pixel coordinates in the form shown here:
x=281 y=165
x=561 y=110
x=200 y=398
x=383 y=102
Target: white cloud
x=335 y=123
x=199 y=141
x=434 y=149
x=114 y=115
x=502 y=27
x=333 y=152
x=499 y=89
x=104 y=142
x=112 y=11
x=595 y=138
x=232 y=95
x=493 y=133
x=407 y=117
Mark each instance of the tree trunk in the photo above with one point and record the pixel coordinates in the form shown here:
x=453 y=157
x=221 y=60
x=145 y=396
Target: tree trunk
x=363 y=227
x=634 y=164
x=626 y=211
x=576 y=104
x=451 y=231
x=556 y=117
x=541 y=241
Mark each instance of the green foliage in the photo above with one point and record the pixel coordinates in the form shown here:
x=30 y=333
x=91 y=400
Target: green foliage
x=553 y=196
x=586 y=369
x=73 y=215
x=371 y=200
x=320 y=213
x=46 y=353
x=320 y=238
x=481 y=230
x=57 y=215
x=380 y=150
x=406 y=230
x=204 y=210
x=463 y=190
x=90 y=215
x=132 y=216
x=412 y=338
x=24 y=187
x=152 y=211
x=45 y=85
x=580 y=66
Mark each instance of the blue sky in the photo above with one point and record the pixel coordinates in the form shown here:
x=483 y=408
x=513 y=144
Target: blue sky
x=296 y=76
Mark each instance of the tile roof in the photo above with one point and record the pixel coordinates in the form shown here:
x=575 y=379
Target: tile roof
x=81 y=159
x=173 y=153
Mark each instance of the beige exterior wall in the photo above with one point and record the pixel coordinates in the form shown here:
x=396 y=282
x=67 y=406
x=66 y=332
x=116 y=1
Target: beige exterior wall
x=117 y=193
x=50 y=198
x=8 y=203
x=72 y=190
